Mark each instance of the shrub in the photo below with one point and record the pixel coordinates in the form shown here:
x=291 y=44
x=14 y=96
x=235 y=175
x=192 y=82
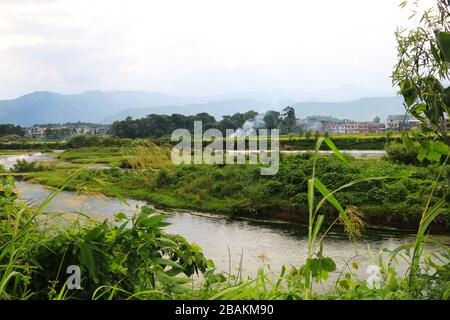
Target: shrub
x=164 y=178
x=24 y=166
x=398 y=153
x=132 y=256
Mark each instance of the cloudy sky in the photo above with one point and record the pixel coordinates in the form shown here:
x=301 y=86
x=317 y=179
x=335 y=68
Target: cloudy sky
x=196 y=47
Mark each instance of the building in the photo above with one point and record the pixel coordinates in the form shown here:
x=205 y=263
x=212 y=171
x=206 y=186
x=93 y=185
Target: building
x=336 y=126
x=101 y=131
x=83 y=130
x=400 y=122
x=363 y=127
x=350 y=127
x=376 y=127
x=38 y=131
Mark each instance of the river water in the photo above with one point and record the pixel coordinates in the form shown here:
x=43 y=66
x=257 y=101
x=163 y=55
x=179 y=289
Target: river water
x=227 y=241
x=8 y=161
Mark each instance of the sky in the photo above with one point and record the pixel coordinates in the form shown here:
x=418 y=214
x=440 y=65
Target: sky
x=196 y=47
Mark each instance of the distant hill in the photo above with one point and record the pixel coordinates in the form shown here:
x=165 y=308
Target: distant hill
x=362 y=109
x=91 y=106
x=215 y=108
x=108 y=106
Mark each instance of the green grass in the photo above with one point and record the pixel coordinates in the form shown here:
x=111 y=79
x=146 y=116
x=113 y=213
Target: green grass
x=240 y=190
x=232 y=190
x=111 y=156
x=33 y=258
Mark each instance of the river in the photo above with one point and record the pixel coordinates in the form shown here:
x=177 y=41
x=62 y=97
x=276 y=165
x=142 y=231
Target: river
x=8 y=161
x=225 y=240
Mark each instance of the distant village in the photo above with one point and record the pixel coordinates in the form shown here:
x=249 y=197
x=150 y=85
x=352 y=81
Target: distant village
x=66 y=130
x=330 y=125
x=321 y=124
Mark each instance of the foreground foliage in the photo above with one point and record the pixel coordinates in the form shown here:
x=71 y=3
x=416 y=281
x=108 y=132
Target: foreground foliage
x=133 y=258
x=116 y=259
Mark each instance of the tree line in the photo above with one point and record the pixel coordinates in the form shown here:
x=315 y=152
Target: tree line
x=156 y=125
x=8 y=129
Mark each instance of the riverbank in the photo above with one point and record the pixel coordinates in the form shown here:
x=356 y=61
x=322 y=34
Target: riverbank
x=240 y=191
x=247 y=244
x=262 y=243
x=108 y=182
x=245 y=253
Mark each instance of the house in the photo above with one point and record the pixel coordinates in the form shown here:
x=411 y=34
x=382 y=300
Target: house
x=376 y=127
x=400 y=122
x=83 y=130
x=101 y=131
x=38 y=131
x=363 y=127
x=350 y=127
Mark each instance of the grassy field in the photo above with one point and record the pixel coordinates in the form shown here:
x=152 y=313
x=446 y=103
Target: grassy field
x=241 y=190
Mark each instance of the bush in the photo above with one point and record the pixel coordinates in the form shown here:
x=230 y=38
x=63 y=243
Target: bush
x=95 y=141
x=164 y=178
x=32 y=145
x=24 y=166
x=397 y=153
x=132 y=256
x=395 y=193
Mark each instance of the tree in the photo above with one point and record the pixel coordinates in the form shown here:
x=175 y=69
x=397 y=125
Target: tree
x=236 y=120
x=56 y=134
x=272 y=119
x=7 y=129
x=288 y=120
x=421 y=72
x=308 y=134
x=376 y=119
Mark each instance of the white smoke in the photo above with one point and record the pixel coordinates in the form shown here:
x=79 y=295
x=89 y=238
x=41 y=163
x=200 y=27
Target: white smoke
x=312 y=125
x=250 y=125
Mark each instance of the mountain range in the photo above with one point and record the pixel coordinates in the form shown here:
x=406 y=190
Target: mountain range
x=361 y=109
x=108 y=106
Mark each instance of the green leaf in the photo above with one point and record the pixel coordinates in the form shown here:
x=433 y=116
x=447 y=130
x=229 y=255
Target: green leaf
x=407 y=141
x=120 y=217
x=336 y=151
x=317 y=225
x=435 y=52
x=182 y=280
x=167 y=243
x=408 y=91
x=181 y=289
x=443 y=41
x=311 y=195
x=163 y=278
x=417 y=110
x=422 y=154
x=330 y=198
x=167 y=262
x=87 y=257
x=440 y=147
x=328 y=264
x=150 y=221
x=434 y=156
x=433 y=213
